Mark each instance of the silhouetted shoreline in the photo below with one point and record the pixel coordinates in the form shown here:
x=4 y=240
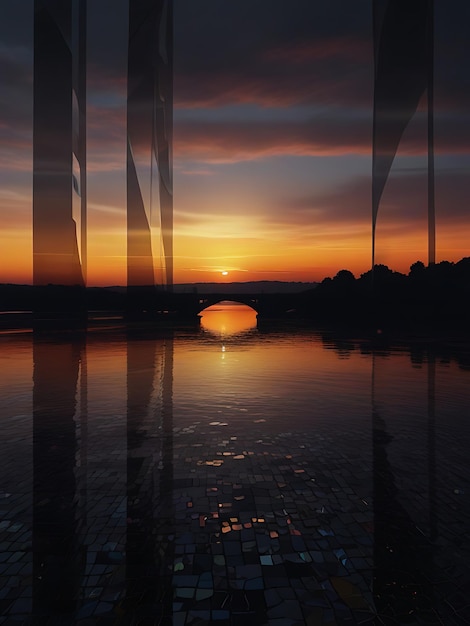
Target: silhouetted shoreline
x=426 y=300
x=427 y=296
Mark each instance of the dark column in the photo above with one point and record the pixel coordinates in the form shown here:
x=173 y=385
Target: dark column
x=430 y=104
x=163 y=140
x=59 y=159
x=401 y=53
x=149 y=156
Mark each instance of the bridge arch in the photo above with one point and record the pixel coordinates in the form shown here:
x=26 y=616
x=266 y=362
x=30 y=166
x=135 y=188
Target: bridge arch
x=206 y=301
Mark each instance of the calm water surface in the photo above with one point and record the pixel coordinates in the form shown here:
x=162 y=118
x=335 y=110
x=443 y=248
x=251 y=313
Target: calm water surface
x=227 y=475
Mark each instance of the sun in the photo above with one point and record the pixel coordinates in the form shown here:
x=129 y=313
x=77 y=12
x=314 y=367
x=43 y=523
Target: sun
x=224 y=273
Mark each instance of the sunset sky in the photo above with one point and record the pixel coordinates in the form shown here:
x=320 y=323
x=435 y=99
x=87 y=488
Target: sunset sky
x=272 y=142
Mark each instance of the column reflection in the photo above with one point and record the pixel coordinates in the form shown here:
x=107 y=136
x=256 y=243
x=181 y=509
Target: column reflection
x=149 y=476
x=58 y=561
x=403 y=550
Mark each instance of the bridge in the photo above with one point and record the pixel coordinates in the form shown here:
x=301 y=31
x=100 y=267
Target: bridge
x=66 y=307
x=189 y=306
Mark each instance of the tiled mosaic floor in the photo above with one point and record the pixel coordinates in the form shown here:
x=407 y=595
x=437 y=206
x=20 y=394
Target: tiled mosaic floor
x=281 y=530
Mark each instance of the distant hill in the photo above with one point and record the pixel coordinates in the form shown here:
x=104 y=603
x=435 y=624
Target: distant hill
x=260 y=286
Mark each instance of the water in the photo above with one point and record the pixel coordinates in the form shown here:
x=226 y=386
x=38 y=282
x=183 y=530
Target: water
x=228 y=475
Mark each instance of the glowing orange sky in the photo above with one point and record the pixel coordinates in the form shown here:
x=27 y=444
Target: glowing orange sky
x=272 y=152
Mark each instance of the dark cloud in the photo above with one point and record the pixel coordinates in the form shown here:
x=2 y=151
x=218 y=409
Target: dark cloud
x=16 y=64
x=452 y=54
x=16 y=86
x=238 y=141
x=16 y=24
x=276 y=82
x=107 y=45
x=336 y=133
x=227 y=33
x=241 y=52
x=404 y=202
x=299 y=52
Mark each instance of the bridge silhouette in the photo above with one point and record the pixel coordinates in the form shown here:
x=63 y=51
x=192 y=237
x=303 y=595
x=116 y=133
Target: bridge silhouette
x=65 y=306
x=189 y=306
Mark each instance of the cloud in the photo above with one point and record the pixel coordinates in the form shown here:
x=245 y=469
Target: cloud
x=283 y=53
x=16 y=209
x=327 y=71
x=343 y=132
x=16 y=92
x=225 y=226
x=321 y=49
x=195 y=172
x=404 y=204
x=225 y=142
x=300 y=52
x=106 y=144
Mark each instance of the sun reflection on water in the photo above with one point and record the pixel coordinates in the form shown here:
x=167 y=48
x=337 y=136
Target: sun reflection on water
x=228 y=318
